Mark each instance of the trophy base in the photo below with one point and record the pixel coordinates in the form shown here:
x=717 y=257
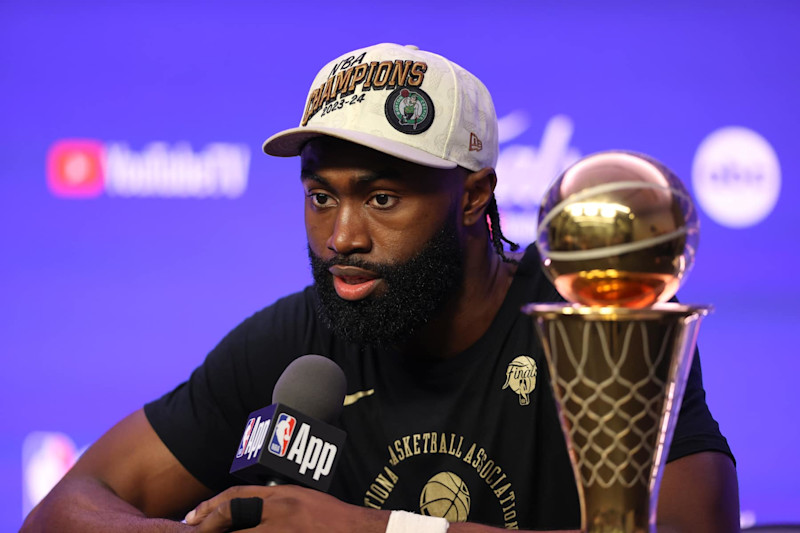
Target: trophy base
x=618 y=374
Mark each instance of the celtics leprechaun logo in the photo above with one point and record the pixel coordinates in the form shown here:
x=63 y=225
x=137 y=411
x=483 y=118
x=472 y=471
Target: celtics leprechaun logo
x=409 y=110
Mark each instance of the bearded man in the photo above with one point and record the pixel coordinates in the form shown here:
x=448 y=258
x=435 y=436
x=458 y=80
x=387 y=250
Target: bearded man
x=416 y=299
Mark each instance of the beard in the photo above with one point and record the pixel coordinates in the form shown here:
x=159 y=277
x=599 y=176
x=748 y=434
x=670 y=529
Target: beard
x=415 y=290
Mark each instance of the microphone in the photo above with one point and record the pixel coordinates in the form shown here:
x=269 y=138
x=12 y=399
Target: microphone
x=292 y=441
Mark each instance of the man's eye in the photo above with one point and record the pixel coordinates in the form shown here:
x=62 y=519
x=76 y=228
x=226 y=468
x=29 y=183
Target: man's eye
x=320 y=199
x=384 y=200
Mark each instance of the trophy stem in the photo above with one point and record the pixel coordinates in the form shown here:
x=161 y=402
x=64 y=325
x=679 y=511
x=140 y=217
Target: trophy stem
x=618 y=375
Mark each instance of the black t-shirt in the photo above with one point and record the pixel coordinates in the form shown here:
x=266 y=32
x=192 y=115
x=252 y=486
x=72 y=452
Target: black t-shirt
x=460 y=437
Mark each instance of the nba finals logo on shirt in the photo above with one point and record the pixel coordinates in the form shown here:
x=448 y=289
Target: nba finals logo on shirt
x=282 y=435
x=521 y=377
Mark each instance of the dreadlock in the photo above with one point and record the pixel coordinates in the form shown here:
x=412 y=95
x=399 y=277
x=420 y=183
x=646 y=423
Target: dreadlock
x=493 y=225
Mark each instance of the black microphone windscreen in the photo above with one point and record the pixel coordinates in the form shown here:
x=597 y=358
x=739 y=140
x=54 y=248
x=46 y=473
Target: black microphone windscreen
x=314 y=385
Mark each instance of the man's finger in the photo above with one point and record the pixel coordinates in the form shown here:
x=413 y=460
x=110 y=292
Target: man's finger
x=216 y=521
x=199 y=513
x=233 y=515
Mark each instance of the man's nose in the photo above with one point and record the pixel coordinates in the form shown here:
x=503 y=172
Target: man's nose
x=350 y=232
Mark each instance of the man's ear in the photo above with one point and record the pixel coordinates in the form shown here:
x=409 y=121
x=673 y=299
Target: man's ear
x=478 y=191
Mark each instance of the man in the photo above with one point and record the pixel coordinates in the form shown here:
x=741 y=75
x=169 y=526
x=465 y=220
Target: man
x=449 y=409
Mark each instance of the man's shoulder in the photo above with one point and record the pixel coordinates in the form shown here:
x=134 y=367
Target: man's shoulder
x=530 y=279
x=290 y=320
x=529 y=260
x=291 y=307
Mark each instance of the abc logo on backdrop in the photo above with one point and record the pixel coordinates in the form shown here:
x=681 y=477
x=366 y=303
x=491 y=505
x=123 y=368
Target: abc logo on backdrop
x=736 y=177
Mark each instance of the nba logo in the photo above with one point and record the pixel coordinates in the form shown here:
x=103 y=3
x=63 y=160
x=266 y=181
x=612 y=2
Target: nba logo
x=282 y=435
x=246 y=436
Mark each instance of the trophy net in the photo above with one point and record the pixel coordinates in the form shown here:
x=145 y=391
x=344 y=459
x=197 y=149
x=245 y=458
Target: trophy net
x=618 y=376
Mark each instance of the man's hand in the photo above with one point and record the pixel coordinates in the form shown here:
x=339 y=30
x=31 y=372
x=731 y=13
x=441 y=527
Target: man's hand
x=289 y=508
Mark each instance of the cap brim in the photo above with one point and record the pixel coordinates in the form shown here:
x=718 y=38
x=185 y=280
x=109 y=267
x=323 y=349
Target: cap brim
x=290 y=142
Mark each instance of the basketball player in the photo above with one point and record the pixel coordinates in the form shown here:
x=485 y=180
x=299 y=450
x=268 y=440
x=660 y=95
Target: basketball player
x=450 y=418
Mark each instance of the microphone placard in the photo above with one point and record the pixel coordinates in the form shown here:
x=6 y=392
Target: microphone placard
x=281 y=443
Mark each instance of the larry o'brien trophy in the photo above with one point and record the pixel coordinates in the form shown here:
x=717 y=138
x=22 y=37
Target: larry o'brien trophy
x=617 y=235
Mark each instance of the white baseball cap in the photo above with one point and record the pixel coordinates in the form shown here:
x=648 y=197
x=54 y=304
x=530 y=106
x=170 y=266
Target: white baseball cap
x=402 y=101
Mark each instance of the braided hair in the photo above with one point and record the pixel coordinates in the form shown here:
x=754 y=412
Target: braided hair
x=493 y=225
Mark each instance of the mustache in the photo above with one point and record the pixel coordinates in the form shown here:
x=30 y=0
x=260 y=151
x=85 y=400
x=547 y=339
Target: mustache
x=342 y=260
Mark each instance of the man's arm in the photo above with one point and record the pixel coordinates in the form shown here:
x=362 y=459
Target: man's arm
x=699 y=494
x=127 y=476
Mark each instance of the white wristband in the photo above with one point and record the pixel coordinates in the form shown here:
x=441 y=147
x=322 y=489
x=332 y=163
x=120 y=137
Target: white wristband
x=405 y=522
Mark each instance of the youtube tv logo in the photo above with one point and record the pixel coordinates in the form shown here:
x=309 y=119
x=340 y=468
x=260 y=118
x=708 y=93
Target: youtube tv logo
x=75 y=168
x=91 y=168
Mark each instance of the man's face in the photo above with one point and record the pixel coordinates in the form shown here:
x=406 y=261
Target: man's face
x=384 y=239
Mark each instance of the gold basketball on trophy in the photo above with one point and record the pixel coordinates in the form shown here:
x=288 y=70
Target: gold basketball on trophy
x=617 y=229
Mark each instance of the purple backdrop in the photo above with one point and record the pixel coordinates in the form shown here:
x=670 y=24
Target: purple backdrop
x=114 y=290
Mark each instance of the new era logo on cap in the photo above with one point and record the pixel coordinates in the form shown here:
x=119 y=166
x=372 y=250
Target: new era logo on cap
x=475 y=144
x=408 y=103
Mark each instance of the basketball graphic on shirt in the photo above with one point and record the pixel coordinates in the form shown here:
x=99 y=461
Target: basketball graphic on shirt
x=445 y=495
